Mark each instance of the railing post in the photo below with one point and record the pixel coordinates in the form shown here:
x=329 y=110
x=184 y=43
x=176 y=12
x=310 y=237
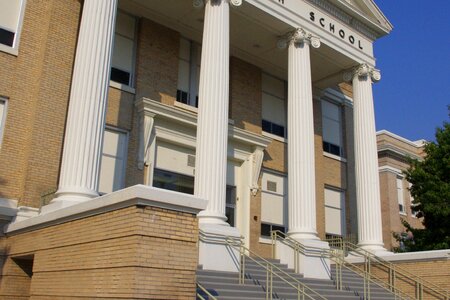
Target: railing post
x=267 y=283
x=242 y=271
x=271 y=282
x=419 y=290
x=274 y=240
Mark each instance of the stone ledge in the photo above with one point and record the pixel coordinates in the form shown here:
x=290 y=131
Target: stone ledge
x=135 y=195
x=409 y=256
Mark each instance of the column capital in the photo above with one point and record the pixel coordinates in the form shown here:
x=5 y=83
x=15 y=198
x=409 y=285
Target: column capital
x=298 y=35
x=201 y=3
x=363 y=70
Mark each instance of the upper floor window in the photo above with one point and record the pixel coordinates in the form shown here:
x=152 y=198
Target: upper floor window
x=122 y=66
x=400 y=196
x=331 y=128
x=273 y=105
x=11 y=18
x=188 y=72
x=2 y=117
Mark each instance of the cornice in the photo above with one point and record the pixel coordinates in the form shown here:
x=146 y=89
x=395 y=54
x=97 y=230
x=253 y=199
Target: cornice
x=344 y=17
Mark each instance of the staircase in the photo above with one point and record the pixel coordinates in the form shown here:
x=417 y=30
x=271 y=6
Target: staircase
x=225 y=285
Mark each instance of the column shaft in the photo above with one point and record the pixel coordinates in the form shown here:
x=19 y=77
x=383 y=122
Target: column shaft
x=212 y=127
x=87 y=105
x=366 y=166
x=301 y=167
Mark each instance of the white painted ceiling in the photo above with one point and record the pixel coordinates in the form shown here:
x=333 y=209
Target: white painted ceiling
x=253 y=35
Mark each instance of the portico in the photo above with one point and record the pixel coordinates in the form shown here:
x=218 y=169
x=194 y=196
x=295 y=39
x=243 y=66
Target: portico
x=319 y=48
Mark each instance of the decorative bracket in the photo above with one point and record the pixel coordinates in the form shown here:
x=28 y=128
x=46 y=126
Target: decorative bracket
x=201 y=3
x=146 y=122
x=363 y=70
x=298 y=36
x=257 y=159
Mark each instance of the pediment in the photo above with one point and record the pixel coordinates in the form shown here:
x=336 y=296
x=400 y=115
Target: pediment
x=364 y=15
x=365 y=11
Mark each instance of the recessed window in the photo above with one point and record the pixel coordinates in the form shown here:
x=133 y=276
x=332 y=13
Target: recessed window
x=332 y=128
x=3 y=103
x=230 y=209
x=273 y=203
x=334 y=212
x=113 y=165
x=172 y=181
x=273 y=105
x=400 y=196
x=11 y=18
x=188 y=72
x=122 y=66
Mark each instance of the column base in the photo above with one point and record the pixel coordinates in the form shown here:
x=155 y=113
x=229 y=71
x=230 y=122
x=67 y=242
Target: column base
x=65 y=198
x=376 y=249
x=214 y=253
x=312 y=264
x=303 y=235
x=213 y=218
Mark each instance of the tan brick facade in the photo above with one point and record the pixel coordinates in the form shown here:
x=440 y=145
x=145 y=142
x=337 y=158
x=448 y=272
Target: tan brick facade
x=393 y=154
x=31 y=151
x=133 y=253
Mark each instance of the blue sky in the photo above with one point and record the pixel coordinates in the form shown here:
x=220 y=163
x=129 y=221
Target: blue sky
x=412 y=97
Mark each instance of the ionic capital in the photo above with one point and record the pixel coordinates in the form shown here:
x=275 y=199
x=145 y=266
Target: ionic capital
x=363 y=70
x=298 y=36
x=201 y=3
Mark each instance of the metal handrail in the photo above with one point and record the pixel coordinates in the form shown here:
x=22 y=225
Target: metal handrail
x=210 y=296
x=394 y=271
x=271 y=269
x=340 y=263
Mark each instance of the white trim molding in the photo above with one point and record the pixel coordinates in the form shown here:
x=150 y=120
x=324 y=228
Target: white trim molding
x=135 y=195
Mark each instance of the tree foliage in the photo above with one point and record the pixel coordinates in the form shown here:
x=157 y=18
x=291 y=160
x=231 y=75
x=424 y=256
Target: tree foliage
x=430 y=179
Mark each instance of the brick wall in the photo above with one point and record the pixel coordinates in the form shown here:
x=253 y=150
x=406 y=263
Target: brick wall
x=37 y=83
x=436 y=272
x=134 y=252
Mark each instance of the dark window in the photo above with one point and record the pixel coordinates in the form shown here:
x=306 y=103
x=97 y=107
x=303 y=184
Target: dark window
x=173 y=181
x=273 y=128
x=6 y=37
x=267 y=228
x=182 y=97
x=230 y=204
x=120 y=76
x=331 y=148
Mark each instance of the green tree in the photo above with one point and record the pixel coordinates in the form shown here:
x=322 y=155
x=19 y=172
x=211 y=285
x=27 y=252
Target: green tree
x=430 y=179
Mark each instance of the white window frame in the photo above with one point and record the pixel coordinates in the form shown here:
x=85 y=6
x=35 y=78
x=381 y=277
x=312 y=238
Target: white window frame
x=193 y=62
x=400 y=195
x=3 y=118
x=284 y=195
x=342 y=209
x=14 y=50
x=127 y=139
x=268 y=134
x=127 y=88
x=341 y=129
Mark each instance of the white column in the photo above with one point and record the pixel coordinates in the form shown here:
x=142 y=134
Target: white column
x=212 y=139
x=366 y=159
x=301 y=167
x=212 y=127
x=78 y=180
x=301 y=162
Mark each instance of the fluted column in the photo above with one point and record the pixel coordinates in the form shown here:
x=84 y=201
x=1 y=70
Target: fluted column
x=366 y=159
x=212 y=127
x=78 y=180
x=301 y=167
